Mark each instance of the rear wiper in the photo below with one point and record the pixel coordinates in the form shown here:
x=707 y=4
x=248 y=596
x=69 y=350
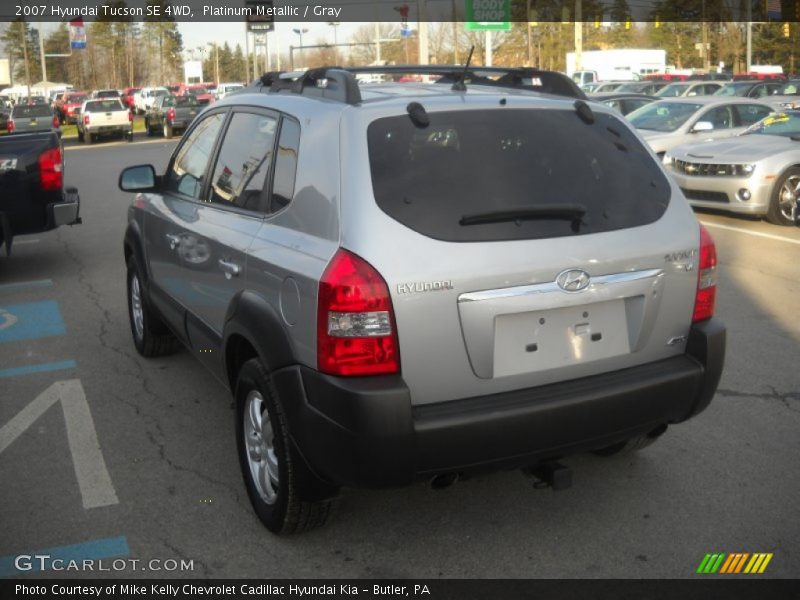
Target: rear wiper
x=566 y=212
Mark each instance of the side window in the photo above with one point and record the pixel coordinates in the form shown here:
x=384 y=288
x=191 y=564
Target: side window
x=720 y=117
x=751 y=113
x=615 y=104
x=759 y=91
x=186 y=173
x=244 y=161
x=285 y=165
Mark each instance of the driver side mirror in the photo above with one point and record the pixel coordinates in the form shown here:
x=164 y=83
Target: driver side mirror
x=141 y=178
x=702 y=126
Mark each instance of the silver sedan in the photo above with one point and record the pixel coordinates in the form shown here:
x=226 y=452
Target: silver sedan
x=669 y=123
x=756 y=173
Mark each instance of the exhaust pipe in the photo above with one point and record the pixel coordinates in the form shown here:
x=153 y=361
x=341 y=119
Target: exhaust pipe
x=443 y=480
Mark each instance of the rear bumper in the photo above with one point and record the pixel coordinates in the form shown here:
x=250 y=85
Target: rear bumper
x=364 y=432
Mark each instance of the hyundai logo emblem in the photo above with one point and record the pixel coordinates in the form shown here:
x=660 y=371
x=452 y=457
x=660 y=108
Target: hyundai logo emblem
x=573 y=280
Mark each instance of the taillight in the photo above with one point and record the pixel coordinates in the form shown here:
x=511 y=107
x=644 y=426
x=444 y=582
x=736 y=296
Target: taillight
x=130 y=117
x=706 y=278
x=10 y=126
x=171 y=114
x=85 y=119
x=356 y=333
x=56 y=122
x=51 y=170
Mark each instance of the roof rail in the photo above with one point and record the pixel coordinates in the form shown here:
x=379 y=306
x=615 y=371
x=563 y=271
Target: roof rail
x=340 y=83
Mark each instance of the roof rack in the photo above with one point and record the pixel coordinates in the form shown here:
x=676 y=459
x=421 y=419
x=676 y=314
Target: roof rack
x=340 y=83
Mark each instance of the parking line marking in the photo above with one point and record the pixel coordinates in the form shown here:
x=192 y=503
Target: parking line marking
x=18 y=242
x=116 y=144
x=755 y=233
x=94 y=550
x=22 y=285
x=30 y=320
x=87 y=457
x=40 y=368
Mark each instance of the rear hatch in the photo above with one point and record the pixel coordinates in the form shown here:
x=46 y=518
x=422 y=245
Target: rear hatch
x=106 y=113
x=524 y=247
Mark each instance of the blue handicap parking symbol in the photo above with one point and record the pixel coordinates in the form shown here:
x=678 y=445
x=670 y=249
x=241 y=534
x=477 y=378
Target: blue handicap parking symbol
x=31 y=320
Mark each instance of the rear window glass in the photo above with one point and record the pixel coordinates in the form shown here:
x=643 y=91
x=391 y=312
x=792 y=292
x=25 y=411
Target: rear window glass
x=104 y=106
x=513 y=174
x=34 y=110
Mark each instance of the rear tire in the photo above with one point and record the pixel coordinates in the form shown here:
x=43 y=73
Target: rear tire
x=783 y=200
x=168 y=132
x=271 y=467
x=80 y=136
x=640 y=442
x=88 y=137
x=147 y=128
x=150 y=336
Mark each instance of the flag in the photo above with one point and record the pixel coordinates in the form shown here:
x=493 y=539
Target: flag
x=77 y=34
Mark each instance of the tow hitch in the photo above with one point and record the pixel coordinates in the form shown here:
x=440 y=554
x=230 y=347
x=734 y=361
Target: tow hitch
x=550 y=474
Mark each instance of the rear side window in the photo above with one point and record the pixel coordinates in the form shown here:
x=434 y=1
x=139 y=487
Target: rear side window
x=244 y=161
x=285 y=165
x=751 y=113
x=503 y=174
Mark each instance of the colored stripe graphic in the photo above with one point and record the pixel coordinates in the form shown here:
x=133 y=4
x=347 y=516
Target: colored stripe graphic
x=94 y=550
x=31 y=320
x=735 y=563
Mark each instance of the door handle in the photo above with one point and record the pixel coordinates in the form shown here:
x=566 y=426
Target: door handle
x=173 y=240
x=231 y=269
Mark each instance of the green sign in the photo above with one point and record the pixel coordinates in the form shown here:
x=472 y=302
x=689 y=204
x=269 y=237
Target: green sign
x=488 y=15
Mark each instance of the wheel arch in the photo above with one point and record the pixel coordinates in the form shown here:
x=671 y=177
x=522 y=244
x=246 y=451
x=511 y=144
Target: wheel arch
x=133 y=245
x=254 y=329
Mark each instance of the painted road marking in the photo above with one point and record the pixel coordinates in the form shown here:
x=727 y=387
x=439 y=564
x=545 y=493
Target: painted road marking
x=95 y=550
x=769 y=236
x=30 y=321
x=18 y=242
x=41 y=368
x=87 y=457
x=24 y=285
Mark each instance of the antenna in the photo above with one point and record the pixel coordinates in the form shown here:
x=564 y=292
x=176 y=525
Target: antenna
x=458 y=86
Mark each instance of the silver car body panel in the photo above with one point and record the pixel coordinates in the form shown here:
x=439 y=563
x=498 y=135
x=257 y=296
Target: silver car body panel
x=771 y=155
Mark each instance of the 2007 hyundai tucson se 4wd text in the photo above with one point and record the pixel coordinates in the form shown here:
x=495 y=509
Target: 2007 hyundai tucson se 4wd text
x=405 y=281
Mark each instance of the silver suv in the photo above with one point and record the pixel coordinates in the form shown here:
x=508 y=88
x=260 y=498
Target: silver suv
x=404 y=281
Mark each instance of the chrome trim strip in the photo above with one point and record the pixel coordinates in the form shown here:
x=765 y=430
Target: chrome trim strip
x=552 y=286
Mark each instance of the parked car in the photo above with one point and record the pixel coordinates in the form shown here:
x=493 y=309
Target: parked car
x=669 y=123
x=750 y=89
x=103 y=94
x=127 y=96
x=788 y=97
x=198 y=91
x=223 y=89
x=624 y=103
x=170 y=114
x=607 y=86
x=756 y=173
x=143 y=99
x=380 y=323
x=646 y=87
x=25 y=118
x=70 y=108
x=33 y=197
x=689 y=88
x=103 y=118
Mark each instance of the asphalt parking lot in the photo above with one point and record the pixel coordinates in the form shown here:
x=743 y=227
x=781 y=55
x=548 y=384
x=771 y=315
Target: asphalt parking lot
x=165 y=482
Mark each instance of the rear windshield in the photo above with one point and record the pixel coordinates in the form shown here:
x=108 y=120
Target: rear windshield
x=179 y=101
x=104 y=106
x=496 y=175
x=29 y=112
x=108 y=94
x=76 y=99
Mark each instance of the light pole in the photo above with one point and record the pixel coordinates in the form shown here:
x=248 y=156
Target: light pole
x=335 y=25
x=300 y=32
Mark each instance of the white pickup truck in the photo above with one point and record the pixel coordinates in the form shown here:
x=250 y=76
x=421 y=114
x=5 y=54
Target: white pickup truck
x=144 y=98
x=104 y=118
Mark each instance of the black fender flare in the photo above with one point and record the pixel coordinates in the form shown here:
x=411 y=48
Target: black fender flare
x=253 y=318
x=135 y=241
